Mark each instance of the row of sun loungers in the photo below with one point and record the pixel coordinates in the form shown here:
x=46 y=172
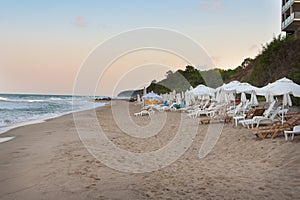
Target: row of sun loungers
x=278 y=128
x=271 y=118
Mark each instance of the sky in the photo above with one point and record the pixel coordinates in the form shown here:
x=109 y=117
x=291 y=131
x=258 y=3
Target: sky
x=45 y=43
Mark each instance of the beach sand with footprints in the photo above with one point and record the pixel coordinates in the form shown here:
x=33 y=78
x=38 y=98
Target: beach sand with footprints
x=49 y=161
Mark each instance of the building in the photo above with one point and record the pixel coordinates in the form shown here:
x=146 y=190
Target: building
x=290 y=17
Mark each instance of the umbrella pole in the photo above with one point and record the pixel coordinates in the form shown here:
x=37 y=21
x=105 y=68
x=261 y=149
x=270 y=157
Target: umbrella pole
x=234 y=103
x=282 y=111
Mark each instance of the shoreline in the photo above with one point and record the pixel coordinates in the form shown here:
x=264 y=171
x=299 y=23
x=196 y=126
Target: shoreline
x=4 y=130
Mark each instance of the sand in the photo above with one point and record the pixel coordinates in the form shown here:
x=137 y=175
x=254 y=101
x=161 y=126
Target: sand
x=49 y=161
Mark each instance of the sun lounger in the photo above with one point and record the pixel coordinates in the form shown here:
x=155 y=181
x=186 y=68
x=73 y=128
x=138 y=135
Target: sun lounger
x=249 y=120
x=296 y=130
x=255 y=119
x=144 y=112
x=276 y=128
x=219 y=115
x=235 y=111
x=196 y=113
x=242 y=115
x=270 y=120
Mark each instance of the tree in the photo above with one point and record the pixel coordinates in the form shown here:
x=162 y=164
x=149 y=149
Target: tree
x=246 y=62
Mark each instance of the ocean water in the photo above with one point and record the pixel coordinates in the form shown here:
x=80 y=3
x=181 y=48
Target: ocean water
x=20 y=109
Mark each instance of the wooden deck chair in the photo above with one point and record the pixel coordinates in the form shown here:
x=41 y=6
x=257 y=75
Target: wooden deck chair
x=276 y=128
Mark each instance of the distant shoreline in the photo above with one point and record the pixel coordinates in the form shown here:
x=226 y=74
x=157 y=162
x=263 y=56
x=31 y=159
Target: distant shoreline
x=4 y=130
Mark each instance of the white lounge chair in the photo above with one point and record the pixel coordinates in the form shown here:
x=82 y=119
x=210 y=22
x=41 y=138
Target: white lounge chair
x=235 y=111
x=269 y=120
x=296 y=130
x=144 y=112
x=254 y=120
x=199 y=112
x=241 y=116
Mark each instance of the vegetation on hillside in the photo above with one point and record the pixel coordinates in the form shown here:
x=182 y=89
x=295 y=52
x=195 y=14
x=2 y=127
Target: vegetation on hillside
x=280 y=58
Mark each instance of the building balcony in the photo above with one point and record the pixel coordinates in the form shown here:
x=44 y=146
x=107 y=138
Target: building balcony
x=291 y=23
x=287 y=5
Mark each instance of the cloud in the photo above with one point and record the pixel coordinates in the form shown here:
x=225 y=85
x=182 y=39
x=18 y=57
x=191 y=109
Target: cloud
x=211 y=5
x=80 y=21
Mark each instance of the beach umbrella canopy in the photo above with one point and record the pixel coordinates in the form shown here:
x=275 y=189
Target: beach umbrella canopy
x=152 y=96
x=202 y=90
x=227 y=86
x=280 y=87
x=241 y=87
x=283 y=87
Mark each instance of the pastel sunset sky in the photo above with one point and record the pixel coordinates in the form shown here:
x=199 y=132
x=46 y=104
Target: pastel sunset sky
x=45 y=42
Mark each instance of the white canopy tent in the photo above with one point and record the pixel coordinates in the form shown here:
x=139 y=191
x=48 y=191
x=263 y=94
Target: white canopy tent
x=237 y=87
x=225 y=93
x=202 y=90
x=282 y=87
x=152 y=96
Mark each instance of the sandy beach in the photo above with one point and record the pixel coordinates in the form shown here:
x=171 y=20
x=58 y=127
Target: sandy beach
x=48 y=161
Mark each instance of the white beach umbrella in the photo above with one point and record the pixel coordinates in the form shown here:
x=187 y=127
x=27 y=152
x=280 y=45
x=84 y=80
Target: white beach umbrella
x=243 y=97
x=271 y=98
x=187 y=98
x=228 y=86
x=178 y=98
x=171 y=97
x=225 y=98
x=231 y=96
x=280 y=87
x=218 y=96
x=284 y=87
x=286 y=100
x=174 y=92
x=138 y=99
x=165 y=97
x=192 y=98
x=253 y=100
x=241 y=87
x=152 y=96
x=144 y=91
x=202 y=90
x=221 y=97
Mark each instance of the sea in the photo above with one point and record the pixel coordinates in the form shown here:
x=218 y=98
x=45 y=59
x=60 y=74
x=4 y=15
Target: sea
x=23 y=109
